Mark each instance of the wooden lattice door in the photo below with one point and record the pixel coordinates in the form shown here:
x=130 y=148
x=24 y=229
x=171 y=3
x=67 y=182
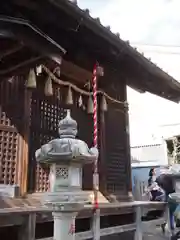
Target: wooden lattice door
x=116 y=152
x=46 y=112
x=11 y=116
x=117 y=146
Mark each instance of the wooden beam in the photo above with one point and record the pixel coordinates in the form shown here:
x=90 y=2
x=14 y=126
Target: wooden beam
x=75 y=72
x=11 y=220
x=10 y=51
x=21 y=30
x=71 y=71
x=20 y=65
x=26 y=3
x=103 y=232
x=138 y=89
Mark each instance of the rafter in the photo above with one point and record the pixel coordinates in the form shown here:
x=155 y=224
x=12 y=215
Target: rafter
x=22 y=64
x=10 y=51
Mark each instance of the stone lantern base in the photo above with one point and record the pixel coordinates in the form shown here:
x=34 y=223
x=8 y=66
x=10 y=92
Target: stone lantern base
x=64 y=225
x=66 y=197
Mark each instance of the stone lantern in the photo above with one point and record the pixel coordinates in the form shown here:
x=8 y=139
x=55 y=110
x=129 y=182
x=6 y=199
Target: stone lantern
x=65 y=157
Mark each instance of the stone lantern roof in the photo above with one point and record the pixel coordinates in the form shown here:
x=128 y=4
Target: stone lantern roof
x=67 y=148
x=67 y=127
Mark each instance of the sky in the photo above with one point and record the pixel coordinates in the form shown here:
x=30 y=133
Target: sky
x=146 y=24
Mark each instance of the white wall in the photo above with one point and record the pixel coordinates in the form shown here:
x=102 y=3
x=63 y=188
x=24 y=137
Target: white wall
x=152 y=155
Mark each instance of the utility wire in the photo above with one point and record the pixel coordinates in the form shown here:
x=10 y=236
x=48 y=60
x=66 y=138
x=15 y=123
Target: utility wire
x=170 y=124
x=154 y=45
x=161 y=52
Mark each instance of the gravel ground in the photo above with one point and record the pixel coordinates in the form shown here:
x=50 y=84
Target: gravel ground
x=149 y=236
x=156 y=235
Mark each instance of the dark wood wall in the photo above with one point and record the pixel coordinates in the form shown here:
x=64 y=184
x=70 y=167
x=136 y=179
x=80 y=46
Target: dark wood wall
x=46 y=112
x=11 y=130
x=118 y=168
x=30 y=119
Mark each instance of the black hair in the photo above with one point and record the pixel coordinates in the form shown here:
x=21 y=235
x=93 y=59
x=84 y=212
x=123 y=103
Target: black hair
x=151 y=172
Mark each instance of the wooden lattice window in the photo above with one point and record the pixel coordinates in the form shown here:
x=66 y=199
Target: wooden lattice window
x=8 y=156
x=46 y=112
x=45 y=116
x=11 y=123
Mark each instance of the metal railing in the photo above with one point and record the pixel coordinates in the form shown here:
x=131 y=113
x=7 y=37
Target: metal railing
x=28 y=229
x=139 y=189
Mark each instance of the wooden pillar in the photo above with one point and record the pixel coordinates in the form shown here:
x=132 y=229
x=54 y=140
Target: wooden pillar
x=28 y=228
x=102 y=154
x=25 y=141
x=118 y=163
x=128 y=150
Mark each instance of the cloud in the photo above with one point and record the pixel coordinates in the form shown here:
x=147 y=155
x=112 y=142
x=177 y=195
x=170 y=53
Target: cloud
x=165 y=30
x=153 y=21
x=150 y=22
x=94 y=6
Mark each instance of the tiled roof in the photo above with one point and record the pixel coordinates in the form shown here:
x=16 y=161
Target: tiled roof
x=108 y=28
x=73 y=8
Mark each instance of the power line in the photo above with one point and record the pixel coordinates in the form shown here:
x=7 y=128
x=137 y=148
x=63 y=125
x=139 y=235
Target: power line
x=158 y=51
x=162 y=52
x=170 y=124
x=154 y=45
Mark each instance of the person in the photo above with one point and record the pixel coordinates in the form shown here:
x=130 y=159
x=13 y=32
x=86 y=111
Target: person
x=166 y=182
x=152 y=177
x=155 y=191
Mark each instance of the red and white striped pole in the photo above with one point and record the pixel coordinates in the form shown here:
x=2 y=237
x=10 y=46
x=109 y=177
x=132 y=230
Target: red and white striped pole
x=95 y=175
x=97 y=71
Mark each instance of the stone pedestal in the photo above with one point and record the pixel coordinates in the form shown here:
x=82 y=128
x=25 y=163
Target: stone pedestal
x=64 y=225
